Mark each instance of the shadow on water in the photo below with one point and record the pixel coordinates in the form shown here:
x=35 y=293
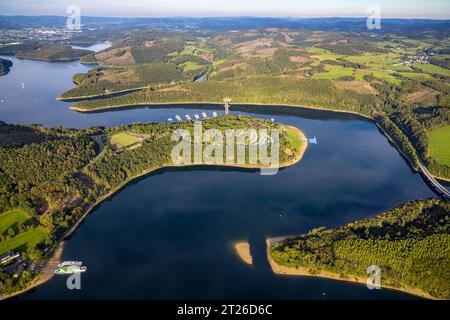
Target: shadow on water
x=299 y=111
x=165 y=170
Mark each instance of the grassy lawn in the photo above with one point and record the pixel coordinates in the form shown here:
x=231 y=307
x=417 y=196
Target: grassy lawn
x=440 y=145
x=293 y=138
x=23 y=241
x=13 y=217
x=123 y=139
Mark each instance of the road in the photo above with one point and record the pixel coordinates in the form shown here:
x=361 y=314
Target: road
x=101 y=145
x=436 y=185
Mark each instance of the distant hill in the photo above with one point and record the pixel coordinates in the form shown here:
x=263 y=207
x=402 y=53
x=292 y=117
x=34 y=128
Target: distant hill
x=401 y=26
x=53 y=52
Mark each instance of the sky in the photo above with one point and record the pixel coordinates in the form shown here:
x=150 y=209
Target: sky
x=434 y=9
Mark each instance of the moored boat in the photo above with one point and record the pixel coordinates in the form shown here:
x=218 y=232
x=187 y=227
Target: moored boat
x=70 y=263
x=70 y=270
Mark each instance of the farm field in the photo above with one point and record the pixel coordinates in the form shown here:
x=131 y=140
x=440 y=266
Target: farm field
x=416 y=75
x=431 y=68
x=439 y=145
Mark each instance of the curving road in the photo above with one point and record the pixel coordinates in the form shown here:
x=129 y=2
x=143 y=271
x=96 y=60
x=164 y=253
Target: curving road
x=436 y=185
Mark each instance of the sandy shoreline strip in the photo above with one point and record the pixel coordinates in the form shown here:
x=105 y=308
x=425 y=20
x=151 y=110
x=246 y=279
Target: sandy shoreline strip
x=243 y=251
x=300 y=271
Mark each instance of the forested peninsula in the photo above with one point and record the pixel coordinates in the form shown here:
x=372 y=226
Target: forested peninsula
x=410 y=244
x=64 y=173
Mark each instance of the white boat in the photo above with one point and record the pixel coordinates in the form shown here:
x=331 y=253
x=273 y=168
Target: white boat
x=313 y=140
x=70 y=270
x=70 y=263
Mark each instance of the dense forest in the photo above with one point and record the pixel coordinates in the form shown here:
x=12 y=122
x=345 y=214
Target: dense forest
x=5 y=65
x=410 y=243
x=412 y=125
x=52 y=52
x=12 y=49
x=267 y=90
x=47 y=51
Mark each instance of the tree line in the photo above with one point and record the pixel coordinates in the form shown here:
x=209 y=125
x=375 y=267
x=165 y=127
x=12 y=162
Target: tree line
x=410 y=243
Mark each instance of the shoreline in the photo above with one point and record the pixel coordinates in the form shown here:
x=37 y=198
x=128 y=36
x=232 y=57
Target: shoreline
x=56 y=255
x=203 y=103
x=46 y=272
x=304 y=272
x=100 y=96
x=242 y=249
x=418 y=170
x=48 y=60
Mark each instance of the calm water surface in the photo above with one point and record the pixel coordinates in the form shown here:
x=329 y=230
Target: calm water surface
x=170 y=234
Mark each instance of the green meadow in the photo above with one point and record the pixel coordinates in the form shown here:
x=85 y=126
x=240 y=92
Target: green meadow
x=23 y=241
x=431 y=68
x=440 y=145
x=191 y=66
x=123 y=139
x=12 y=218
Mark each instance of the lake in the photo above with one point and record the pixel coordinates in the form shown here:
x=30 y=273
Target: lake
x=170 y=234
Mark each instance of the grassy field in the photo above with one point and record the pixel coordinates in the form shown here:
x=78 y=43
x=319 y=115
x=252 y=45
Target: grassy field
x=333 y=73
x=123 y=139
x=218 y=63
x=11 y=218
x=416 y=75
x=431 y=68
x=191 y=66
x=23 y=241
x=381 y=74
x=322 y=54
x=440 y=145
x=294 y=140
x=380 y=65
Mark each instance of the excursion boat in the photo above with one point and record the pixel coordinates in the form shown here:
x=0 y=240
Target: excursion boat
x=70 y=263
x=70 y=270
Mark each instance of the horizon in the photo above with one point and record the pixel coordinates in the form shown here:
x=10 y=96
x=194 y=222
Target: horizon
x=401 y=9
x=222 y=17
